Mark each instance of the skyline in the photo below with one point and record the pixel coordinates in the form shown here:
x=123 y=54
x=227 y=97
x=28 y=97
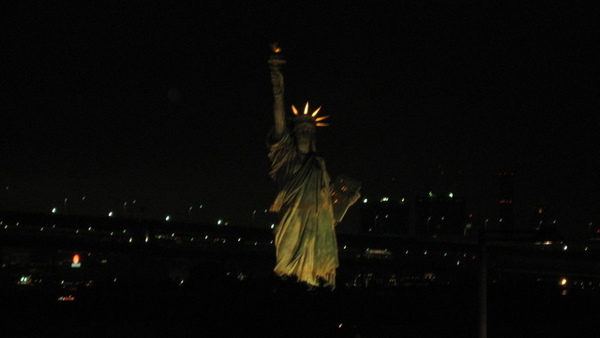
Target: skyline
x=170 y=106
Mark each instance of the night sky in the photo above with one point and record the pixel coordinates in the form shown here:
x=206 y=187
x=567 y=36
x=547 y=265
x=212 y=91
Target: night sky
x=169 y=104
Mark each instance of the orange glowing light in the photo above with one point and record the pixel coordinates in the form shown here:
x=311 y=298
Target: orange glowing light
x=315 y=112
x=68 y=298
x=76 y=259
x=313 y=115
x=275 y=47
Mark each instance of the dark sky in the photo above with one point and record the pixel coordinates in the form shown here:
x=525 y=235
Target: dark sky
x=169 y=104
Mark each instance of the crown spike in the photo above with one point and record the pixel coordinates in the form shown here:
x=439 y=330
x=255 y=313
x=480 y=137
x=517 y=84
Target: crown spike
x=306 y=117
x=316 y=112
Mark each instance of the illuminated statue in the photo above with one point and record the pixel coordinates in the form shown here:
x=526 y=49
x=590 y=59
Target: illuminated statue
x=305 y=238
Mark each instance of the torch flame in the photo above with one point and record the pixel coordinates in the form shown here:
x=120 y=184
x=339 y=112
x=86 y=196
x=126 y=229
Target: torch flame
x=275 y=48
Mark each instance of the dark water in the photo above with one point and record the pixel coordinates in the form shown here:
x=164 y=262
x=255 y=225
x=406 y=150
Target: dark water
x=269 y=308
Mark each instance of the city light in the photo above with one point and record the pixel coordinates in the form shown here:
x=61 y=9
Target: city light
x=76 y=261
x=25 y=280
x=68 y=298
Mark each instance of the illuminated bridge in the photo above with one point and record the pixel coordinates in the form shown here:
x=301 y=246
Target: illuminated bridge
x=249 y=252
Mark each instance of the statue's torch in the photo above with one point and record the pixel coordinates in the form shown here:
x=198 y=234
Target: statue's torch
x=276 y=60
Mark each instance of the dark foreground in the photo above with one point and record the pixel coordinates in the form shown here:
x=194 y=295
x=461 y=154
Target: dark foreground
x=266 y=308
x=136 y=279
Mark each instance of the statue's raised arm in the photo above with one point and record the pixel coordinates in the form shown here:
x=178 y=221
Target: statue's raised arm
x=276 y=61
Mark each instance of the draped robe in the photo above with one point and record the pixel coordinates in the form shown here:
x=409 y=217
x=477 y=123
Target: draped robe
x=305 y=239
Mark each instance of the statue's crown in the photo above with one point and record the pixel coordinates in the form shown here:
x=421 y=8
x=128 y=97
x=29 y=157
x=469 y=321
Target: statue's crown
x=309 y=118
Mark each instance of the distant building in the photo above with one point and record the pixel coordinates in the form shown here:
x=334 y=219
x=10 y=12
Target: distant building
x=384 y=216
x=594 y=231
x=440 y=215
x=506 y=199
x=540 y=218
x=545 y=226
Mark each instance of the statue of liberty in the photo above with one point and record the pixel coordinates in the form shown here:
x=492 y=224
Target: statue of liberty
x=305 y=237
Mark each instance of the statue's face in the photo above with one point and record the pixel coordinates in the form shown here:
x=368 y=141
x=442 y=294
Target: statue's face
x=303 y=130
x=304 y=133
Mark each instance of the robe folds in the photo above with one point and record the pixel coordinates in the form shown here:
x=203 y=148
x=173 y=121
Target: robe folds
x=305 y=238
